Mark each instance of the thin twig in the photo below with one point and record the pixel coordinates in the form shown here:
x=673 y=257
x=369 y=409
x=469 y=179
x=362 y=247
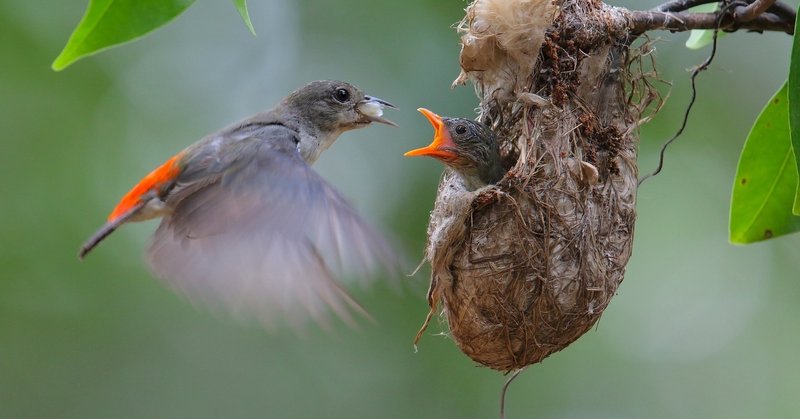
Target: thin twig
x=695 y=72
x=514 y=375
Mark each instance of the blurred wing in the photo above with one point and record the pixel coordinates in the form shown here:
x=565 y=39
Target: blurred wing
x=265 y=236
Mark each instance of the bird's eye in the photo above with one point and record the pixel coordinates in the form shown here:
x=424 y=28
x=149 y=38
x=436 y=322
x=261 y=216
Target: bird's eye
x=341 y=95
x=461 y=130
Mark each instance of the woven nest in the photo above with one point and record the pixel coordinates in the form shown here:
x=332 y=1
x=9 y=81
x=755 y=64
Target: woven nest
x=523 y=268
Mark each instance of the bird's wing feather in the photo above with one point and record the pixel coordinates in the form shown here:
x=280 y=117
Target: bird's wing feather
x=263 y=234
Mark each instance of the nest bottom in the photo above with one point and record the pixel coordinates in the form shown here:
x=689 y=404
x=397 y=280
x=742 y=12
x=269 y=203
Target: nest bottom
x=530 y=264
x=504 y=309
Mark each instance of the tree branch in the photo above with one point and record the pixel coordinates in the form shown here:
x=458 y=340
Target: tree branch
x=752 y=11
x=751 y=15
x=681 y=5
x=783 y=11
x=644 y=21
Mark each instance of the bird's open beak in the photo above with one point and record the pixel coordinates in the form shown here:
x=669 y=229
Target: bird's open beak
x=372 y=110
x=442 y=145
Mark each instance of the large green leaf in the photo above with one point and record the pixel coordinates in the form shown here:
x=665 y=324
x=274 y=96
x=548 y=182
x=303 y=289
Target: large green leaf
x=699 y=38
x=766 y=179
x=241 y=5
x=794 y=108
x=108 y=23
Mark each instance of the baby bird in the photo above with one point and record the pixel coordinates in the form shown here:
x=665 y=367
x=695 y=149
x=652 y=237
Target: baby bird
x=468 y=147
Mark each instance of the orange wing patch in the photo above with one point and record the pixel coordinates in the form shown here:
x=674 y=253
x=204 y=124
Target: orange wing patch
x=153 y=181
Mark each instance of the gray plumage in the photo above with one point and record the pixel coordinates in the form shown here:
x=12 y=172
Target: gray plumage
x=478 y=156
x=248 y=226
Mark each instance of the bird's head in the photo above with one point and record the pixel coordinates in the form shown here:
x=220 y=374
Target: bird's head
x=466 y=146
x=324 y=109
x=337 y=106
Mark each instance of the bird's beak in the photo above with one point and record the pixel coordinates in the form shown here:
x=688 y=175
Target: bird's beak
x=442 y=145
x=372 y=109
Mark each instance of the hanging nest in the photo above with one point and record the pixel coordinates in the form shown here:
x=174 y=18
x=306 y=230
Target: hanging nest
x=523 y=268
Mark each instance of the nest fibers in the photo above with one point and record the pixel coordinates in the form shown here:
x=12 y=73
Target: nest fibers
x=500 y=40
x=523 y=268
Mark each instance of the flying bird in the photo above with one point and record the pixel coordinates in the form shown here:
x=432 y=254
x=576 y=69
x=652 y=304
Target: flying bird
x=468 y=147
x=248 y=226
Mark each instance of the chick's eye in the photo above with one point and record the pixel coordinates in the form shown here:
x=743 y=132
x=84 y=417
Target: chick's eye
x=460 y=129
x=341 y=95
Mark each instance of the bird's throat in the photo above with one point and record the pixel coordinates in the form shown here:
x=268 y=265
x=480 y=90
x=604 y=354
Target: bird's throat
x=311 y=145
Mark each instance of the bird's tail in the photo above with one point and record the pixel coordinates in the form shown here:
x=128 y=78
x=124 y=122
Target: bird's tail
x=107 y=229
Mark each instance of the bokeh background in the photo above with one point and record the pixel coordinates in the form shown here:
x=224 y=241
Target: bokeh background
x=699 y=329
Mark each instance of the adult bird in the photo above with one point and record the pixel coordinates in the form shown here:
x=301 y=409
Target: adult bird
x=248 y=226
x=468 y=147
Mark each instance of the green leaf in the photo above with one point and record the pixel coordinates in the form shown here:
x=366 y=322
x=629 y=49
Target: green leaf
x=766 y=178
x=242 y=6
x=794 y=109
x=108 y=23
x=699 y=38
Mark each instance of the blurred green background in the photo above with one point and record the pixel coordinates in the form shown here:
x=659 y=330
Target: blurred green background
x=700 y=328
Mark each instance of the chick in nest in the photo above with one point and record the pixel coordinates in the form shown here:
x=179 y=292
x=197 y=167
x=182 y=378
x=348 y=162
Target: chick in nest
x=467 y=147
